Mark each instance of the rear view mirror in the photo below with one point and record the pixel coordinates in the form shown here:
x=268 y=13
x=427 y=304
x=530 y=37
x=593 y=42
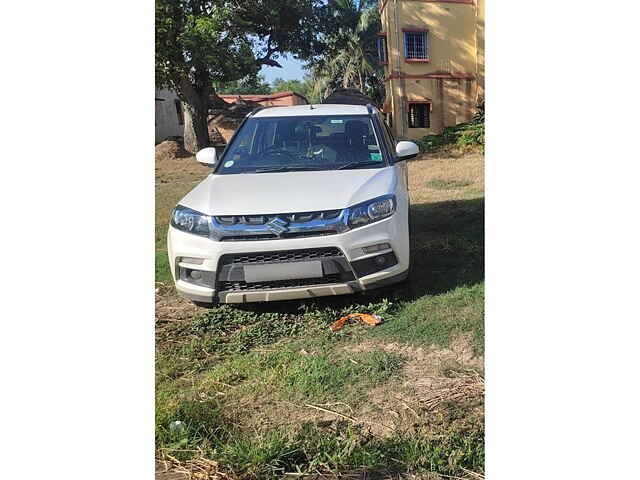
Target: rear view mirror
x=406 y=150
x=207 y=156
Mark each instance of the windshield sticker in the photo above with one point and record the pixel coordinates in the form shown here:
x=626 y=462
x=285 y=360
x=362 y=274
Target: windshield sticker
x=228 y=164
x=376 y=156
x=336 y=121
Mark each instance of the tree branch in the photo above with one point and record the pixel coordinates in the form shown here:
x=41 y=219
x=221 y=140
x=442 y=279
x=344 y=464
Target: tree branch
x=266 y=58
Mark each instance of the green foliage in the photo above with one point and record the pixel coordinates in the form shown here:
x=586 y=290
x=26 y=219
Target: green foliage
x=343 y=448
x=303 y=87
x=234 y=330
x=349 y=58
x=198 y=41
x=251 y=84
x=163 y=273
x=202 y=42
x=463 y=135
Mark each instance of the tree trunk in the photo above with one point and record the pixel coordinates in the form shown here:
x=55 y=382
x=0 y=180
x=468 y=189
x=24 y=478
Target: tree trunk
x=196 y=109
x=196 y=130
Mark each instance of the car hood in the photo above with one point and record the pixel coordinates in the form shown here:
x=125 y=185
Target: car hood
x=285 y=192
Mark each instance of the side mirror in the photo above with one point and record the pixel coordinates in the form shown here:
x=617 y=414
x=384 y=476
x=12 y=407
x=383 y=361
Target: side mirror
x=406 y=150
x=207 y=156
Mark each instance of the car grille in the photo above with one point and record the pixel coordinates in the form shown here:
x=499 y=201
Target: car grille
x=272 y=236
x=274 y=284
x=290 y=217
x=335 y=266
x=283 y=256
x=226 y=228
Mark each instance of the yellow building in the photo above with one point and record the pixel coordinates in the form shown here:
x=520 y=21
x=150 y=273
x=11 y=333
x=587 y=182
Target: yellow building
x=433 y=52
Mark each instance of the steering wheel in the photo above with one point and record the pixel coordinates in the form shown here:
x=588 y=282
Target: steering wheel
x=274 y=150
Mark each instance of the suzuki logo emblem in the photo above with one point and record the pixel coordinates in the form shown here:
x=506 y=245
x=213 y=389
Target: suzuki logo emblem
x=278 y=226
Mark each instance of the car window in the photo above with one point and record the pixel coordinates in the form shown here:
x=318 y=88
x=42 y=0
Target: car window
x=318 y=142
x=388 y=135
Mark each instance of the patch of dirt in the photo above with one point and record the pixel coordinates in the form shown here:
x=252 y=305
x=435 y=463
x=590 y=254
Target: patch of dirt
x=174 y=308
x=172 y=312
x=175 y=165
x=466 y=169
x=199 y=469
x=171 y=150
x=433 y=380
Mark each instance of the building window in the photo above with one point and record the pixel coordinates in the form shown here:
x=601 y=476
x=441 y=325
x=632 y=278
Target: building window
x=416 y=46
x=179 y=111
x=382 y=49
x=419 y=115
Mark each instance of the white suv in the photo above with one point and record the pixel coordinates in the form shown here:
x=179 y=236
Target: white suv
x=305 y=201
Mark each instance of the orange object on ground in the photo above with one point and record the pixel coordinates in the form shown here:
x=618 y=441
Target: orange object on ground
x=371 y=320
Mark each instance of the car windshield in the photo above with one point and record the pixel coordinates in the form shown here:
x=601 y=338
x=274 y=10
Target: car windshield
x=300 y=143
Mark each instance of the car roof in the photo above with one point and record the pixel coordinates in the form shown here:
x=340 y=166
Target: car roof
x=307 y=110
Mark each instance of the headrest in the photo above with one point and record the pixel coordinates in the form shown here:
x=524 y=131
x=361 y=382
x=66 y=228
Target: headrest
x=355 y=128
x=302 y=130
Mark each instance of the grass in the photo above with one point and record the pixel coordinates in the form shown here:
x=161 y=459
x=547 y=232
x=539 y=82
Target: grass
x=443 y=184
x=267 y=389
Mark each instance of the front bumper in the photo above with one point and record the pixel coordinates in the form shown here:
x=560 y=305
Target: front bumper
x=211 y=256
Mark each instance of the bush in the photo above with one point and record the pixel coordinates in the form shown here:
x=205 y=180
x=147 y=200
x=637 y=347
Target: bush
x=463 y=135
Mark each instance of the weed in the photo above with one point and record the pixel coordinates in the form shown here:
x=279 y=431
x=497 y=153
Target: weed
x=348 y=448
x=163 y=273
x=440 y=184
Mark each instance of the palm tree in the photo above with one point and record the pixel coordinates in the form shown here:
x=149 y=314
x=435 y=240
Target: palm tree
x=349 y=61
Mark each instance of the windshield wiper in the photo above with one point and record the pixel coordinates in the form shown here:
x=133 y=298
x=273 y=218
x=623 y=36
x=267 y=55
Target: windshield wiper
x=366 y=163
x=285 y=169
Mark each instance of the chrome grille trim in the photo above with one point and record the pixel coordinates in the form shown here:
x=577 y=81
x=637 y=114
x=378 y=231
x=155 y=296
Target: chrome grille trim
x=300 y=217
x=299 y=224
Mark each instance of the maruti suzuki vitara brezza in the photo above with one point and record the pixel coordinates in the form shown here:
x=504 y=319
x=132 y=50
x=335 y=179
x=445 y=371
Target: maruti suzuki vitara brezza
x=305 y=201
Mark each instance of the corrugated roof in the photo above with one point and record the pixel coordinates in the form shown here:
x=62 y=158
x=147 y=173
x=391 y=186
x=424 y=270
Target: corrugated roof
x=262 y=98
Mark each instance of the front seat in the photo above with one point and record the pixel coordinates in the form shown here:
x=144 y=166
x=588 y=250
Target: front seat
x=356 y=133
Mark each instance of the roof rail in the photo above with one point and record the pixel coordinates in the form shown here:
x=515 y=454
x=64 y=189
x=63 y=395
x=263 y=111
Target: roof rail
x=255 y=110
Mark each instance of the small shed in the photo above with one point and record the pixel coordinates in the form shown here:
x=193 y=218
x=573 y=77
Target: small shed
x=283 y=99
x=225 y=121
x=169 y=120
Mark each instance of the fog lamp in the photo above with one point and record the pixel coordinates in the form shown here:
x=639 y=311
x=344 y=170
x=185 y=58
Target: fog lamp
x=376 y=248
x=197 y=277
x=380 y=261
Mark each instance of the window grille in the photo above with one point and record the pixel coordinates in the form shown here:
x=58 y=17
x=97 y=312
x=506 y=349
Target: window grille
x=415 y=45
x=382 y=49
x=419 y=115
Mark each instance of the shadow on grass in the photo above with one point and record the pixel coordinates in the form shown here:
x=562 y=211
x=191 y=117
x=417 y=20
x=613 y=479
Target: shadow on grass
x=447 y=245
x=447 y=251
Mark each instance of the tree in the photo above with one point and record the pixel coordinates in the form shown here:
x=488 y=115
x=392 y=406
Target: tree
x=248 y=85
x=200 y=43
x=349 y=59
x=301 y=87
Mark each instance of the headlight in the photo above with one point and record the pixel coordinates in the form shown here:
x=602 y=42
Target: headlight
x=190 y=221
x=372 y=211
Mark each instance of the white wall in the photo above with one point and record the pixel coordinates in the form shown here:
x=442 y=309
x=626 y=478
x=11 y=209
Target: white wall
x=167 y=123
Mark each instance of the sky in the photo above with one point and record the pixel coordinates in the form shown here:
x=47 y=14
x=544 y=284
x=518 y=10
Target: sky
x=291 y=70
